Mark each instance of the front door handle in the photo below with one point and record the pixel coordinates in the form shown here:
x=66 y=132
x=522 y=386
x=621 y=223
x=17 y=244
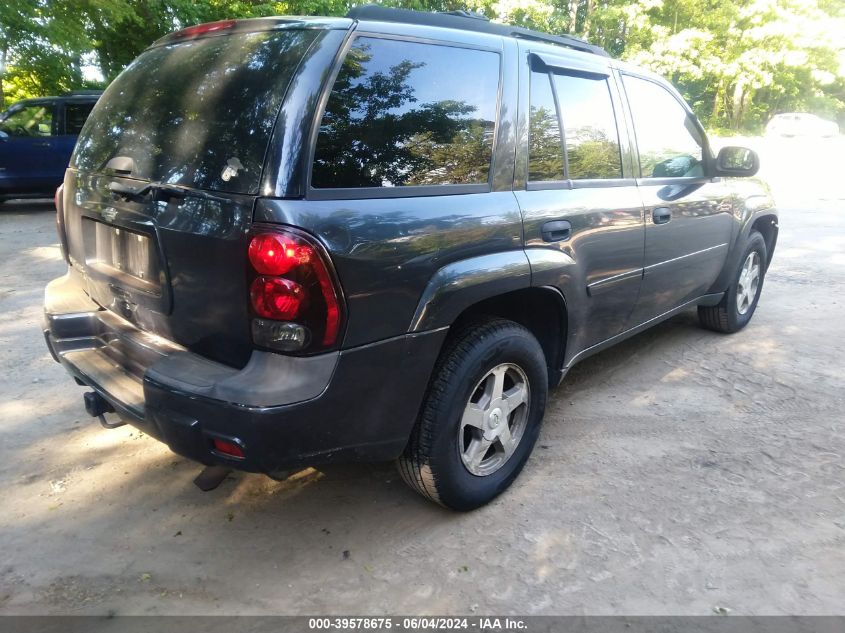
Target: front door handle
x=661 y=215
x=556 y=231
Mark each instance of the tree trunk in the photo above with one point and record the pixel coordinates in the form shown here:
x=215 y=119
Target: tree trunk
x=589 y=12
x=717 y=104
x=2 y=75
x=573 y=16
x=737 y=105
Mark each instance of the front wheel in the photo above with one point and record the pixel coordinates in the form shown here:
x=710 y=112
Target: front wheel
x=481 y=416
x=740 y=301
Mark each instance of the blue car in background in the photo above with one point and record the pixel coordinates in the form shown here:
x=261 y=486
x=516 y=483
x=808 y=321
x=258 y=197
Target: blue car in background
x=36 y=140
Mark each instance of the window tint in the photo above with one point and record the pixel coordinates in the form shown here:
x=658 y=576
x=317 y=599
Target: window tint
x=402 y=113
x=32 y=120
x=545 y=151
x=75 y=115
x=592 y=142
x=668 y=141
x=196 y=113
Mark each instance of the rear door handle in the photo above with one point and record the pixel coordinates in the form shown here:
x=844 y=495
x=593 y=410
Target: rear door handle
x=661 y=215
x=556 y=231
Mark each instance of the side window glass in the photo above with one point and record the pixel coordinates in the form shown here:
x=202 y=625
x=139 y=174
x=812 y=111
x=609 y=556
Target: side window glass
x=75 y=116
x=34 y=120
x=668 y=141
x=405 y=113
x=589 y=124
x=545 y=151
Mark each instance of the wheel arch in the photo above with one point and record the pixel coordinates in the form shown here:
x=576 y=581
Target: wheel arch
x=541 y=310
x=497 y=285
x=767 y=226
x=765 y=222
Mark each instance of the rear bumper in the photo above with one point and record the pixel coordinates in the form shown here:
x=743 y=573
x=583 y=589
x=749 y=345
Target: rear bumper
x=283 y=411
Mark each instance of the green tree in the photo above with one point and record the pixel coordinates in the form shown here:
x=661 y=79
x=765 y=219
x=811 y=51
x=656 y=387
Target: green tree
x=737 y=62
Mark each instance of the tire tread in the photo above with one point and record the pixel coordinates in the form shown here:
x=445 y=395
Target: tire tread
x=718 y=317
x=413 y=463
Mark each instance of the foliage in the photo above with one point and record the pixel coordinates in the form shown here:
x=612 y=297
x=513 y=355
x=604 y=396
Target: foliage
x=737 y=63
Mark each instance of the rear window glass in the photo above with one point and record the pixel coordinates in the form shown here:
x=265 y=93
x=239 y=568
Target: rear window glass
x=406 y=113
x=196 y=113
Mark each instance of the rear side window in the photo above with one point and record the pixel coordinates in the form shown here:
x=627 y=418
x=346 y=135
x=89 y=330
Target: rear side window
x=590 y=141
x=668 y=140
x=589 y=124
x=75 y=116
x=545 y=150
x=196 y=113
x=405 y=113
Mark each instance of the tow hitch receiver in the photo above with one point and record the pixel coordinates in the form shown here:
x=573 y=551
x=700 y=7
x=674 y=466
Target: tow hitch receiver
x=97 y=407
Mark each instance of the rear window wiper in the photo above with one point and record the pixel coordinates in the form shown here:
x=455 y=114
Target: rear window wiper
x=159 y=190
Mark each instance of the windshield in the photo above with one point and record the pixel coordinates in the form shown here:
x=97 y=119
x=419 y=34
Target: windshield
x=196 y=113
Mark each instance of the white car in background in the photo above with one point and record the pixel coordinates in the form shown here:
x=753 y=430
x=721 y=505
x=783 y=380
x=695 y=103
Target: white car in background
x=800 y=124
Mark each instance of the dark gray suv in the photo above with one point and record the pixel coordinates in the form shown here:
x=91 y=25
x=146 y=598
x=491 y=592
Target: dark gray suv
x=293 y=241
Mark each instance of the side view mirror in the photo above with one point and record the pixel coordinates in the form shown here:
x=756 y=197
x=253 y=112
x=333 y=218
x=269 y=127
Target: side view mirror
x=3 y=136
x=737 y=162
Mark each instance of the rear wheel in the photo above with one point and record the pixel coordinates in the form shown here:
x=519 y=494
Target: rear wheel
x=481 y=416
x=740 y=301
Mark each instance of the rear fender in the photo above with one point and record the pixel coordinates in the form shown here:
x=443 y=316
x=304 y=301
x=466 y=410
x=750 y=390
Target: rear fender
x=462 y=284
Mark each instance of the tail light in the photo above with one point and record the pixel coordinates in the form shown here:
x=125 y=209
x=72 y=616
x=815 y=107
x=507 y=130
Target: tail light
x=60 y=220
x=292 y=293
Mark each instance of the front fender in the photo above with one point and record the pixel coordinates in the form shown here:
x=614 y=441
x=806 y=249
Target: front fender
x=752 y=201
x=459 y=285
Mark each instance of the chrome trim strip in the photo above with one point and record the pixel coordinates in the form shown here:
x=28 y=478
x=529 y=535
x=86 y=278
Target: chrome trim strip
x=597 y=287
x=675 y=259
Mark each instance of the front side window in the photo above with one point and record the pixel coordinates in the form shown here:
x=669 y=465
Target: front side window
x=670 y=144
x=31 y=120
x=589 y=123
x=405 y=113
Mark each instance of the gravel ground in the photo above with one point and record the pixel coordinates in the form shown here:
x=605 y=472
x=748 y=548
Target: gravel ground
x=680 y=473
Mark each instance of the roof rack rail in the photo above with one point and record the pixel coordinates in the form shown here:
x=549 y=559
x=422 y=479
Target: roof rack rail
x=468 y=21
x=82 y=93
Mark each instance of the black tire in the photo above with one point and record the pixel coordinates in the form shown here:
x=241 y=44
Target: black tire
x=431 y=463
x=725 y=316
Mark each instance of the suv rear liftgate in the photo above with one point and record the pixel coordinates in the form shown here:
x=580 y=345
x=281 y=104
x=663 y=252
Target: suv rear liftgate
x=156 y=219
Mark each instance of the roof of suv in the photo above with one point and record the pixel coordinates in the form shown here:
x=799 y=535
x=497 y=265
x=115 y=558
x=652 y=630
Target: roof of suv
x=67 y=98
x=466 y=21
x=458 y=20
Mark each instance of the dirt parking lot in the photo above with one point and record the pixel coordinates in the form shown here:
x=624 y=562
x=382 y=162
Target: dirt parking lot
x=680 y=473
